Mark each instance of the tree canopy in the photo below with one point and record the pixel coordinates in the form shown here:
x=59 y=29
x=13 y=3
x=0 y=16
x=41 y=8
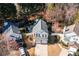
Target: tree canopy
x=7 y=9
x=67 y=12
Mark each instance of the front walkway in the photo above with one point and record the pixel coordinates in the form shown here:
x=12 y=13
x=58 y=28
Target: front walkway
x=41 y=50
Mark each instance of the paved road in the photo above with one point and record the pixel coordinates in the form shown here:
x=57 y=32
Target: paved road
x=64 y=52
x=48 y=50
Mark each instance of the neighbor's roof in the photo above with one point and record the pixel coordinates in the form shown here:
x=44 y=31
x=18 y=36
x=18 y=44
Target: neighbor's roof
x=76 y=29
x=70 y=28
x=12 y=26
x=73 y=28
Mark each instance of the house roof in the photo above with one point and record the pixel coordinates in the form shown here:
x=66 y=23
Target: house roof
x=8 y=25
x=41 y=25
x=73 y=28
x=76 y=29
x=77 y=44
x=29 y=27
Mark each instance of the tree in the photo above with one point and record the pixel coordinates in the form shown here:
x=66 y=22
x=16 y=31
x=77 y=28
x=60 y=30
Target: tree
x=18 y=9
x=7 y=9
x=64 y=12
x=29 y=8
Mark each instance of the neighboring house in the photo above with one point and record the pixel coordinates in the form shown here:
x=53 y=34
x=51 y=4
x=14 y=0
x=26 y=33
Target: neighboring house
x=71 y=37
x=41 y=32
x=72 y=33
x=11 y=30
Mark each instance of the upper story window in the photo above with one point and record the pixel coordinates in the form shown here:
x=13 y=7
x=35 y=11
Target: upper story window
x=46 y=36
x=41 y=35
x=38 y=35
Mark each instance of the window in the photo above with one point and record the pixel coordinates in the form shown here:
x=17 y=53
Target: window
x=38 y=35
x=34 y=35
x=43 y=35
x=67 y=30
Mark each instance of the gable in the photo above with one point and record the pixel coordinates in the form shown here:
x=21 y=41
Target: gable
x=15 y=29
x=76 y=29
x=12 y=29
x=40 y=26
